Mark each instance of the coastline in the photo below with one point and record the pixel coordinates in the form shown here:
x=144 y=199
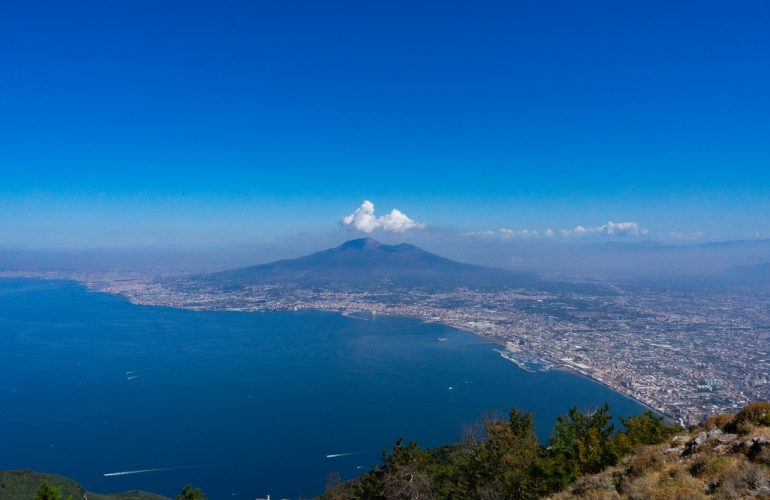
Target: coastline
x=99 y=286
x=609 y=386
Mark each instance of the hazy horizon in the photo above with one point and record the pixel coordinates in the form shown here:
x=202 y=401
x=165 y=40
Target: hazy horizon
x=138 y=126
x=604 y=260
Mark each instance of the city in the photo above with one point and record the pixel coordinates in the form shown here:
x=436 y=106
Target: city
x=685 y=353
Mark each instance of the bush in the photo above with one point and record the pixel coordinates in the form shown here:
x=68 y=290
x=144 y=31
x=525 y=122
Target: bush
x=595 y=486
x=190 y=493
x=763 y=457
x=639 y=489
x=712 y=469
x=647 y=459
x=721 y=422
x=755 y=413
x=48 y=492
x=741 y=481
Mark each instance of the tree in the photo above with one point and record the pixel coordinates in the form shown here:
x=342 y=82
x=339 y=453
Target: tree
x=48 y=492
x=190 y=493
x=503 y=463
x=647 y=428
x=404 y=474
x=583 y=441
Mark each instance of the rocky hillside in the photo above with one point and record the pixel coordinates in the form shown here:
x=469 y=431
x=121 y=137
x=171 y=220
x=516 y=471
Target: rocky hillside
x=728 y=456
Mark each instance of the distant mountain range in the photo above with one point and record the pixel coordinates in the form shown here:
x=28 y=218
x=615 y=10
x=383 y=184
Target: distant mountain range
x=367 y=264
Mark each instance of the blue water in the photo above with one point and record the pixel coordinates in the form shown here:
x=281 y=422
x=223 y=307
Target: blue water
x=241 y=404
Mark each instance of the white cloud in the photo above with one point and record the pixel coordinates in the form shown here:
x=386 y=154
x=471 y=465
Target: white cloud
x=622 y=229
x=480 y=234
x=610 y=229
x=364 y=220
x=626 y=228
x=505 y=233
x=526 y=234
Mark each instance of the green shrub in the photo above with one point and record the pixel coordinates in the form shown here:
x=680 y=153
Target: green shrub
x=48 y=492
x=190 y=493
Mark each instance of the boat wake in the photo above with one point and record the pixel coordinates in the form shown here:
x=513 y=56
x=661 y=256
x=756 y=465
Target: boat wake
x=160 y=469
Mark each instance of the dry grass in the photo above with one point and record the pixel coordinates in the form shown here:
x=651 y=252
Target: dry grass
x=759 y=432
x=721 y=421
x=744 y=481
x=755 y=413
x=713 y=470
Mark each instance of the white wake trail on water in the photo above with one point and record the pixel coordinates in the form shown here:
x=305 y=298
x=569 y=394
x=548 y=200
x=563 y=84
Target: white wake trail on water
x=338 y=455
x=160 y=469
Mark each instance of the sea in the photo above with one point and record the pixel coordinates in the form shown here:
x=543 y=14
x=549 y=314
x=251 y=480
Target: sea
x=120 y=396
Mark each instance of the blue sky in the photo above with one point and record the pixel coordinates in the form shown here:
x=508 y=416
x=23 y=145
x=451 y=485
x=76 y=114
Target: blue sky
x=180 y=123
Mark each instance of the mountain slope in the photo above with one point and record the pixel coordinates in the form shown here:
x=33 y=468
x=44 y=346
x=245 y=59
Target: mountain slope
x=726 y=456
x=366 y=264
x=23 y=484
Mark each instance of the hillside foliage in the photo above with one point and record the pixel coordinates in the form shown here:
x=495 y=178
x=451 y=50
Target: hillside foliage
x=507 y=460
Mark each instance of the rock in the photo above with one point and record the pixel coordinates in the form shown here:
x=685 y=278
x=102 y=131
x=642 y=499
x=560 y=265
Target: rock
x=755 y=446
x=714 y=434
x=727 y=438
x=693 y=445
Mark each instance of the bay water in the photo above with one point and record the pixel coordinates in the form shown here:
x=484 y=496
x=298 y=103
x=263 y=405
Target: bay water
x=119 y=396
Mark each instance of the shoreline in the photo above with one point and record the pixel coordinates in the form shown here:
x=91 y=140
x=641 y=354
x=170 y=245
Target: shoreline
x=609 y=386
x=557 y=366
x=348 y=313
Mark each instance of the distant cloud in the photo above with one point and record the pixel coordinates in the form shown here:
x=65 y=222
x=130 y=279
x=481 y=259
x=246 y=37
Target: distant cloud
x=626 y=228
x=364 y=220
x=611 y=229
x=507 y=234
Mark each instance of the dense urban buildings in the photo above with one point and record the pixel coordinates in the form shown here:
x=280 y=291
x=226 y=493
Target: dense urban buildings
x=684 y=351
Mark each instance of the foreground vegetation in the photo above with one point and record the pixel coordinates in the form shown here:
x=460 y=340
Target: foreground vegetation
x=727 y=456
x=506 y=460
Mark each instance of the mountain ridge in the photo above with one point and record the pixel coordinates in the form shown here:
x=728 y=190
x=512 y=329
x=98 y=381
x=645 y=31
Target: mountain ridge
x=366 y=264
